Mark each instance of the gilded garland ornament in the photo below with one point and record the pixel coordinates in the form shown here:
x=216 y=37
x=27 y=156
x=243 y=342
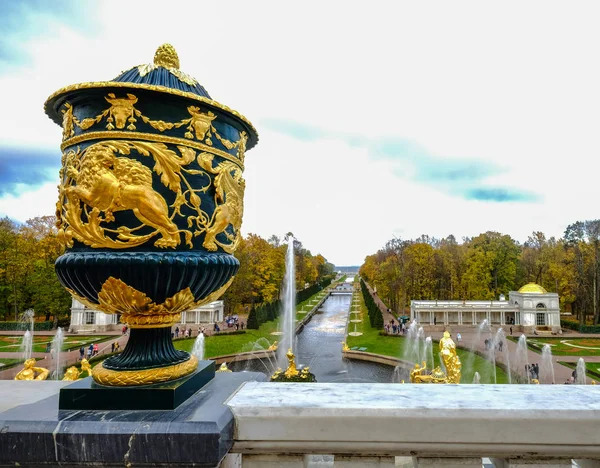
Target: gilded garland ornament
x=113 y=378
x=139 y=311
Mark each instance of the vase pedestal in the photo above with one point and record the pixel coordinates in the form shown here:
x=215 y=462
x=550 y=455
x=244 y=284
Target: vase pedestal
x=85 y=394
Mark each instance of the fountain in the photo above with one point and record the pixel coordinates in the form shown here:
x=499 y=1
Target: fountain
x=198 y=348
x=57 y=345
x=522 y=361
x=547 y=368
x=27 y=317
x=580 y=377
x=27 y=345
x=476 y=378
x=289 y=305
x=410 y=351
x=420 y=344
x=292 y=374
x=450 y=360
x=490 y=348
x=501 y=346
x=429 y=352
x=355 y=332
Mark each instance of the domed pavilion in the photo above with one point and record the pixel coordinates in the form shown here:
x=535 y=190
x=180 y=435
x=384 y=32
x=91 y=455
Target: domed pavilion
x=529 y=308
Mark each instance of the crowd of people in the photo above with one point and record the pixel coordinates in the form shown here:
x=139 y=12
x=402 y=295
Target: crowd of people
x=90 y=352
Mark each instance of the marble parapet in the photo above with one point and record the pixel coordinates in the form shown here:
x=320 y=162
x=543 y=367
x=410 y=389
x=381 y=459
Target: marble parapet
x=525 y=421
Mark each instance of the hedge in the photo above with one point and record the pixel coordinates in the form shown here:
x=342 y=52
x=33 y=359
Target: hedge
x=271 y=310
x=375 y=317
x=22 y=326
x=235 y=332
x=580 y=328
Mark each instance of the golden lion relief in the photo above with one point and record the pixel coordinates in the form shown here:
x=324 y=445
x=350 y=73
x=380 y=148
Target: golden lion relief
x=113 y=184
x=102 y=180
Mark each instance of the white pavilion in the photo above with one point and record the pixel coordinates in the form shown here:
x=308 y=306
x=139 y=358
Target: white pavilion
x=84 y=319
x=530 y=307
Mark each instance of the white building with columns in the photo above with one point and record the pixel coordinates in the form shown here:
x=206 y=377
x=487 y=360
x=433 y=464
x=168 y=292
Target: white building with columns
x=530 y=307
x=84 y=319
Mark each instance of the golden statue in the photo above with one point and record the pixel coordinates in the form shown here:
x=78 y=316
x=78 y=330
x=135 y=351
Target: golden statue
x=535 y=381
x=108 y=184
x=29 y=371
x=291 y=371
x=72 y=373
x=224 y=368
x=87 y=367
x=450 y=358
x=273 y=347
x=345 y=346
x=420 y=374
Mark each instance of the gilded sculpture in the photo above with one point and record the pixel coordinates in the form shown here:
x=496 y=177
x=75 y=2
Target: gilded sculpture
x=138 y=310
x=452 y=364
x=31 y=372
x=122 y=113
x=105 y=181
x=71 y=374
x=451 y=360
x=223 y=368
x=151 y=176
x=420 y=374
x=292 y=374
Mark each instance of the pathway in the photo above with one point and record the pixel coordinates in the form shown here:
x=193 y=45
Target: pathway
x=68 y=357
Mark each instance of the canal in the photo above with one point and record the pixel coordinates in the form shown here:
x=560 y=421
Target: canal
x=319 y=346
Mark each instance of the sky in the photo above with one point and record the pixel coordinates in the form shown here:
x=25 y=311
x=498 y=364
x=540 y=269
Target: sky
x=377 y=120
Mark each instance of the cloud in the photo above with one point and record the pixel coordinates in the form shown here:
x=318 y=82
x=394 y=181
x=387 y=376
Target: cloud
x=455 y=176
x=29 y=167
x=26 y=20
x=501 y=195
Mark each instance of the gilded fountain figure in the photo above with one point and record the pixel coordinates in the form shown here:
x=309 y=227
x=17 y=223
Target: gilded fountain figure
x=452 y=364
x=31 y=372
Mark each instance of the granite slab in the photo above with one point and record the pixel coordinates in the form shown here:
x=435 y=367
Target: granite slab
x=199 y=432
x=85 y=394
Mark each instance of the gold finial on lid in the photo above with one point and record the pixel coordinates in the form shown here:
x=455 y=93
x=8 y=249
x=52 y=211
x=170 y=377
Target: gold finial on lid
x=166 y=56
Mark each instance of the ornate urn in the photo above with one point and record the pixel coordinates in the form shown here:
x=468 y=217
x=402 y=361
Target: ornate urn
x=150 y=206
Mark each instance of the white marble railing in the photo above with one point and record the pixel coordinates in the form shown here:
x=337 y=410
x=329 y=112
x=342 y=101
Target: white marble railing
x=367 y=425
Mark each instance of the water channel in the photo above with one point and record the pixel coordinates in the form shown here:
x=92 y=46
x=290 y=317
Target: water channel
x=319 y=346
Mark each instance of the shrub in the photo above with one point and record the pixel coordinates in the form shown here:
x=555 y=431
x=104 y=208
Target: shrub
x=235 y=332
x=21 y=326
x=572 y=325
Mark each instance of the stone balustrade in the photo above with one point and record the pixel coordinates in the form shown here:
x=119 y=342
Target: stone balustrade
x=384 y=425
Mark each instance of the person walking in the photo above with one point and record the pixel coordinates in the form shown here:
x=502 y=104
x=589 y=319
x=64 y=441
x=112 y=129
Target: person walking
x=112 y=347
x=177 y=332
x=81 y=353
x=95 y=353
x=90 y=350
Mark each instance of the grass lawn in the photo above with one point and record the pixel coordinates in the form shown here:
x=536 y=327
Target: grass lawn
x=592 y=368
x=219 y=345
x=562 y=346
x=7 y=363
x=394 y=346
x=12 y=343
